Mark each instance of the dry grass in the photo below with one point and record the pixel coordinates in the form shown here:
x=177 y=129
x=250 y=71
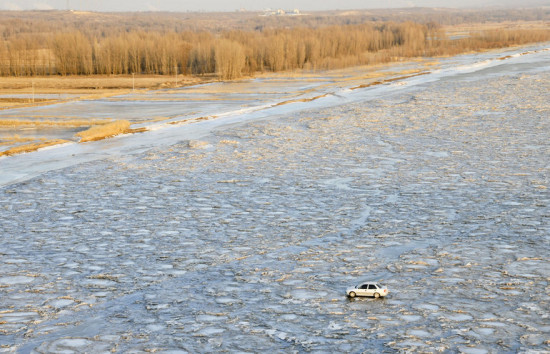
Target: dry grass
x=82 y=87
x=100 y=132
x=300 y=100
x=93 y=84
x=13 y=123
x=465 y=29
x=16 y=100
x=380 y=82
x=15 y=139
x=31 y=147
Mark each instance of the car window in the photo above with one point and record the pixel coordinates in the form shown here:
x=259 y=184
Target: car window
x=364 y=286
x=372 y=286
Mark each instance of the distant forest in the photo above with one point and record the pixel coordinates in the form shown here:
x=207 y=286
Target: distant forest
x=232 y=45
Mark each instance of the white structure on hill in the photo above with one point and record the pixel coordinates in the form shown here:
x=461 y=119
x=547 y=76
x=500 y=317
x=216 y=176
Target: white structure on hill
x=281 y=12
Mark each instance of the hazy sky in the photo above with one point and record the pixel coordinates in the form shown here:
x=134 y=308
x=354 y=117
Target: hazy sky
x=231 y=5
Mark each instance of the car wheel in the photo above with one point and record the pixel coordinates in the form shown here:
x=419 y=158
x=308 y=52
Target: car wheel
x=376 y=295
x=352 y=294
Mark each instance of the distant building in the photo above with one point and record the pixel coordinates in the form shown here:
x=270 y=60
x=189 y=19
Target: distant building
x=281 y=12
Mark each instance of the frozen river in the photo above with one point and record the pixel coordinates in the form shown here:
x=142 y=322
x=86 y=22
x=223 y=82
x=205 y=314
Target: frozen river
x=241 y=233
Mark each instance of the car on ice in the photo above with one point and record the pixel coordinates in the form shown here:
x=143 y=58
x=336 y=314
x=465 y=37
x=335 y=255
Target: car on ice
x=367 y=289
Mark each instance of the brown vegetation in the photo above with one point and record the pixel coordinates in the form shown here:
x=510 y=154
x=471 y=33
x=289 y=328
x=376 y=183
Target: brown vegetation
x=95 y=55
x=380 y=82
x=100 y=129
x=15 y=139
x=168 y=44
x=31 y=147
x=67 y=88
x=13 y=123
x=99 y=132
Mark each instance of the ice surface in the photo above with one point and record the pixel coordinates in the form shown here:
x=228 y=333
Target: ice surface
x=248 y=245
x=13 y=280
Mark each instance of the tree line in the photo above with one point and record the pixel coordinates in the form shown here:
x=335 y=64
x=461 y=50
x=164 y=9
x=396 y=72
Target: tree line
x=100 y=25
x=233 y=53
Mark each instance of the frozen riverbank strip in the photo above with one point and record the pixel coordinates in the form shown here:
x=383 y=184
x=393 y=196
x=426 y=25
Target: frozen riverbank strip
x=23 y=167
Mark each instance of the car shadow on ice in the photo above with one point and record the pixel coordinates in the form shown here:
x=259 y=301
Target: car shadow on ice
x=366 y=299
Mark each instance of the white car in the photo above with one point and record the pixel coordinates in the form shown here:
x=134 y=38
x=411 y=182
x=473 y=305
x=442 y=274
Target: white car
x=367 y=289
